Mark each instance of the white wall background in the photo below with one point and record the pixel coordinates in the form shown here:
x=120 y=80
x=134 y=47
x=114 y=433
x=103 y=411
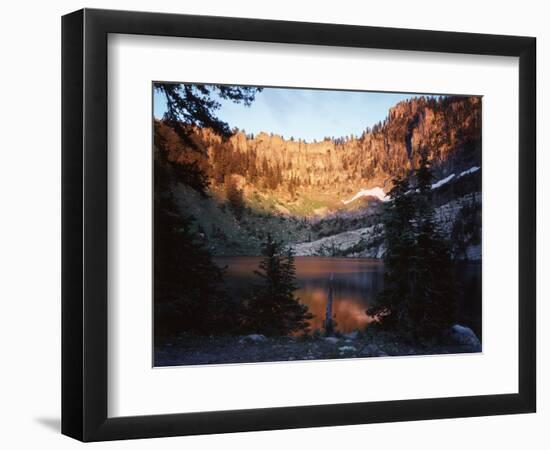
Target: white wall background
x=30 y=226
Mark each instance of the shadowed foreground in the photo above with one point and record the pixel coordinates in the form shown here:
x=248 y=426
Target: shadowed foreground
x=197 y=350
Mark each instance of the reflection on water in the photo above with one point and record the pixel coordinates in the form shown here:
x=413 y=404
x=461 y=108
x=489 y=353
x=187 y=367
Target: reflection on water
x=356 y=282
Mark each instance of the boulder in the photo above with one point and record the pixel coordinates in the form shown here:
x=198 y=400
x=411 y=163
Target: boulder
x=462 y=335
x=353 y=335
x=347 y=349
x=331 y=340
x=372 y=350
x=253 y=338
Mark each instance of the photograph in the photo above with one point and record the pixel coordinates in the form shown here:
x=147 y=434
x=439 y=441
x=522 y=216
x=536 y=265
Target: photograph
x=312 y=224
x=266 y=225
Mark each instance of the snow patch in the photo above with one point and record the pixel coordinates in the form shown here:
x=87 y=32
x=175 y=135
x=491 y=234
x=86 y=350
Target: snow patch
x=469 y=171
x=451 y=176
x=377 y=192
x=347 y=348
x=443 y=181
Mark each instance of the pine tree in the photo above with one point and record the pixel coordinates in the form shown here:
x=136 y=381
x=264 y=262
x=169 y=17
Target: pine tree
x=418 y=299
x=188 y=286
x=393 y=303
x=433 y=287
x=273 y=308
x=188 y=294
x=194 y=105
x=186 y=167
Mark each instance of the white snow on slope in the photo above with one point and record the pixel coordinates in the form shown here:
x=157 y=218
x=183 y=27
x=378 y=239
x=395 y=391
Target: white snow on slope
x=469 y=171
x=377 y=192
x=451 y=176
x=443 y=181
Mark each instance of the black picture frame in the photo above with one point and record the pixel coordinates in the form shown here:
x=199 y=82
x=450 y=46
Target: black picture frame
x=84 y=224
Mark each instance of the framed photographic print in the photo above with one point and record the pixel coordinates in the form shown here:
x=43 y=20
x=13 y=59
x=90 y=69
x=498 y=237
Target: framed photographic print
x=273 y=224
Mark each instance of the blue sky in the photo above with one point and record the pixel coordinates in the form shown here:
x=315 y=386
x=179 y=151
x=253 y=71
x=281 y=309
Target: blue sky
x=305 y=113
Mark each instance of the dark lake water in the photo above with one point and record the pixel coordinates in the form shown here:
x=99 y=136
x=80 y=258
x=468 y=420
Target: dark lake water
x=356 y=282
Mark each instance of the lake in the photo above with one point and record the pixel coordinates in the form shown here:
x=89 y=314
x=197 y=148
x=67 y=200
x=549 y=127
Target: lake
x=356 y=282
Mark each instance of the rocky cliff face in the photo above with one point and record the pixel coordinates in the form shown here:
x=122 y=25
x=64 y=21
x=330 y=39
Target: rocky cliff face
x=325 y=195
x=449 y=128
x=368 y=242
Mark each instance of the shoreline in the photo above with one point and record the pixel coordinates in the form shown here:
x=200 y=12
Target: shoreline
x=188 y=349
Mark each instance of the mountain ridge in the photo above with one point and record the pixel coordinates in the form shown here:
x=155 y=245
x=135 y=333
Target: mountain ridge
x=305 y=191
x=449 y=128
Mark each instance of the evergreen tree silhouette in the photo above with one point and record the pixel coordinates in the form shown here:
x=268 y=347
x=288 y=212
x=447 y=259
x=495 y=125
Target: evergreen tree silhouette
x=419 y=295
x=188 y=292
x=433 y=287
x=194 y=105
x=273 y=309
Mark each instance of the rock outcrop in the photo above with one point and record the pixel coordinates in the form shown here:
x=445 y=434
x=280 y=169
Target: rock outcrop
x=462 y=335
x=368 y=242
x=448 y=127
x=323 y=197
